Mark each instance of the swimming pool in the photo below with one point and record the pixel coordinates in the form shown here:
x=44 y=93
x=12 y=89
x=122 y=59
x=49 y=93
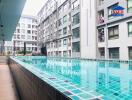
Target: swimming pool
x=83 y=79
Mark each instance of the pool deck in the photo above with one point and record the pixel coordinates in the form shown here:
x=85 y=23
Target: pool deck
x=7 y=87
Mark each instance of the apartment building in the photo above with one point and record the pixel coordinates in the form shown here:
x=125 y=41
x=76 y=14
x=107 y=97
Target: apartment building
x=114 y=33
x=65 y=28
x=25 y=32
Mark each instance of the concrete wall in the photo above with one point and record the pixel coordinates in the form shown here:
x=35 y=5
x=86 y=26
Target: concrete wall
x=88 y=28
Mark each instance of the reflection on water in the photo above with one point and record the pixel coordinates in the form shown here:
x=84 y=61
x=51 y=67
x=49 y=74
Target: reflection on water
x=112 y=79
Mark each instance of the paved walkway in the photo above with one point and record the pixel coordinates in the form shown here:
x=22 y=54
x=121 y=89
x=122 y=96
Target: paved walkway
x=7 y=90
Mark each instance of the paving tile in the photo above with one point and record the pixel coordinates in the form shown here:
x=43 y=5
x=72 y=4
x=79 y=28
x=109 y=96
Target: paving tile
x=7 y=87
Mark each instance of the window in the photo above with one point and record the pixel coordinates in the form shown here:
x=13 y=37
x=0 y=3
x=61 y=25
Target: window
x=28 y=31
x=129 y=6
x=59 y=43
x=22 y=31
x=101 y=2
x=65 y=19
x=110 y=11
x=76 y=47
x=60 y=22
x=130 y=52
x=22 y=25
x=18 y=30
x=130 y=29
x=76 y=19
x=18 y=36
x=113 y=32
x=114 y=53
x=101 y=35
x=29 y=26
x=101 y=16
x=59 y=32
x=29 y=37
x=76 y=33
x=22 y=36
x=65 y=30
x=64 y=53
x=75 y=4
x=33 y=26
x=65 y=42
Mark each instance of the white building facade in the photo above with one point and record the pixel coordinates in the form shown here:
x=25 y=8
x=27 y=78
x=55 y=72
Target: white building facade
x=86 y=29
x=64 y=27
x=26 y=31
x=114 y=34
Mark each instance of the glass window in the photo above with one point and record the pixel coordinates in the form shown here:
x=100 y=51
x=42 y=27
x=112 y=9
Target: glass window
x=75 y=4
x=60 y=22
x=29 y=37
x=22 y=31
x=29 y=26
x=18 y=36
x=65 y=19
x=76 y=32
x=130 y=29
x=130 y=52
x=65 y=30
x=59 y=43
x=64 y=41
x=22 y=25
x=64 y=53
x=129 y=4
x=101 y=2
x=29 y=31
x=101 y=37
x=114 y=53
x=18 y=30
x=22 y=36
x=113 y=32
x=76 y=47
x=76 y=19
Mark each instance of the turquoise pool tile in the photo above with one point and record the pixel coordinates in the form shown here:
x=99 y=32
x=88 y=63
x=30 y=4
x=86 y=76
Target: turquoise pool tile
x=76 y=91
x=95 y=93
x=70 y=88
x=75 y=98
x=85 y=96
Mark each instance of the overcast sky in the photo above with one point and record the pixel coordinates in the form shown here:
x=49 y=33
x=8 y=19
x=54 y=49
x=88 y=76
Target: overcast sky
x=33 y=6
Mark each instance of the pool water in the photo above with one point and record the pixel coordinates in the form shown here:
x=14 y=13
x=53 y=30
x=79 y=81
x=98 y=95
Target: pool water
x=83 y=79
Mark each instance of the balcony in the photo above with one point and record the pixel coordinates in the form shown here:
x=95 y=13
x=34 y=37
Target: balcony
x=101 y=37
x=101 y=17
x=101 y=20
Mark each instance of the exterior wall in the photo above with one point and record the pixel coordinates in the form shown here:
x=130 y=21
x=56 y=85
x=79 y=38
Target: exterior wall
x=88 y=29
x=89 y=25
x=21 y=35
x=49 y=30
x=85 y=45
x=124 y=41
